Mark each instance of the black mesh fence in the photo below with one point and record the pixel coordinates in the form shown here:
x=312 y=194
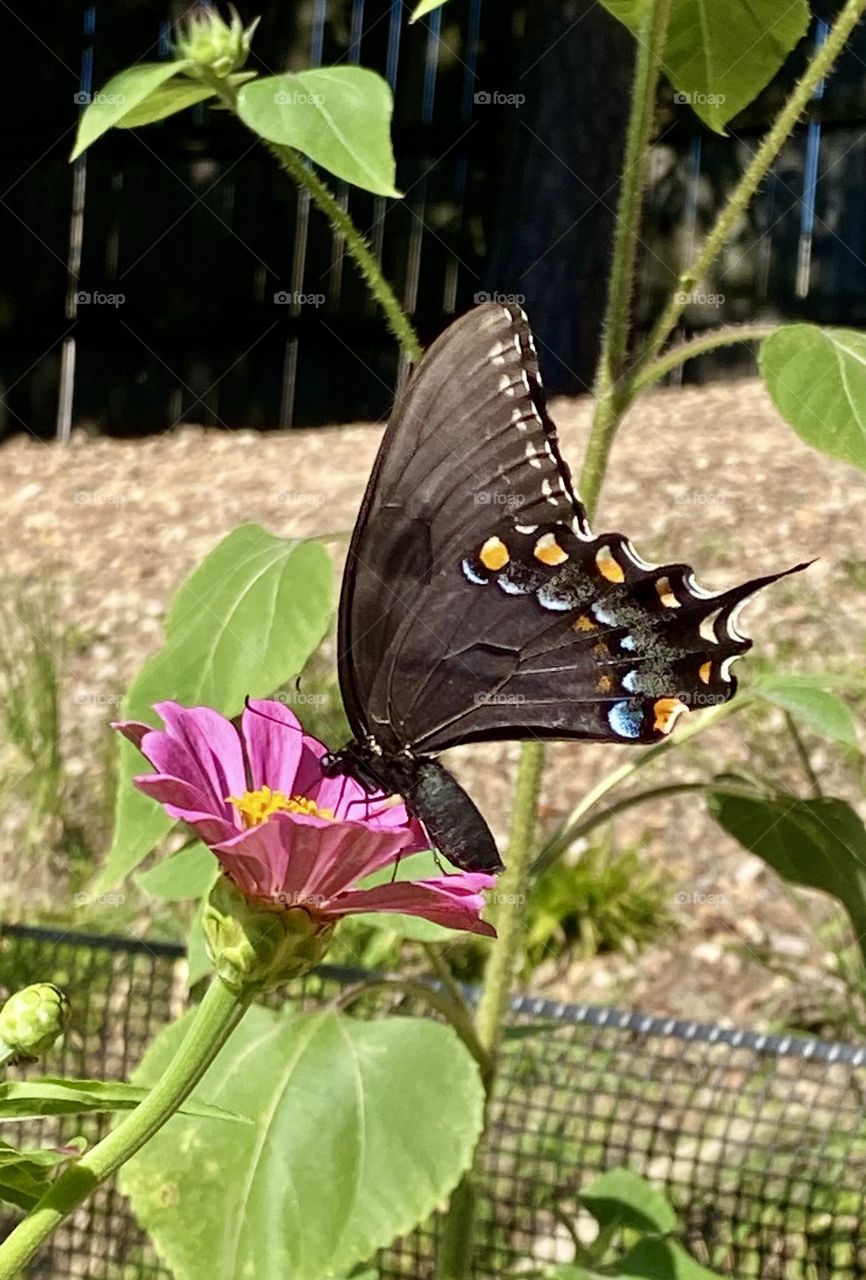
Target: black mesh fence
x=759 y=1140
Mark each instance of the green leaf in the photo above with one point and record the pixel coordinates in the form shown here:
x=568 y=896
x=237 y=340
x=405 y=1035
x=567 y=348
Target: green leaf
x=27 y=1099
x=338 y=116
x=817 y=378
x=819 y=710
x=623 y=1198
x=350 y=1146
x=165 y=101
x=243 y=623
x=820 y=844
x=26 y=1174
x=653 y=1259
x=23 y=1185
x=175 y=96
x=187 y=874
x=425 y=7
x=124 y=94
x=719 y=56
x=41 y=1157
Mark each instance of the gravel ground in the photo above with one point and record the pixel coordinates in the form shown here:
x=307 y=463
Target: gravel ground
x=711 y=475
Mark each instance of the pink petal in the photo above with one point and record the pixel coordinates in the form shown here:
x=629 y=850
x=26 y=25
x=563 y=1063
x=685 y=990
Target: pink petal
x=132 y=730
x=310 y=859
x=287 y=846
x=213 y=748
x=361 y=849
x=429 y=899
x=309 y=775
x=185 y=803
x=273 y=739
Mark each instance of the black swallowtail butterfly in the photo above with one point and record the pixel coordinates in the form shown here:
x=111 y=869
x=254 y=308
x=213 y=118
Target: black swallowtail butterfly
x=477 y=604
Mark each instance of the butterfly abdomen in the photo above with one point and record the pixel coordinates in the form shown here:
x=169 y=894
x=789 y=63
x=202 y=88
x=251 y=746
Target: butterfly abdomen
x=451 y=819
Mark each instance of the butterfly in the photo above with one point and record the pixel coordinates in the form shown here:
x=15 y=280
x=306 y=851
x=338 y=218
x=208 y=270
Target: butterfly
x=477 y=604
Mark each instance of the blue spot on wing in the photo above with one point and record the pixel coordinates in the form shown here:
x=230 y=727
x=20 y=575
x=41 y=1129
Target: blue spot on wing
x=626 y=718
x=473 y=575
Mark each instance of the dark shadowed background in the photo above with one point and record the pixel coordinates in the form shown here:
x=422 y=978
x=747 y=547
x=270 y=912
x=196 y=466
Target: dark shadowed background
x=508 y=132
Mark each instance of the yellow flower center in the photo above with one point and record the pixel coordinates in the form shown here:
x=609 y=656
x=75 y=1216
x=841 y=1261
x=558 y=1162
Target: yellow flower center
x=255 y=807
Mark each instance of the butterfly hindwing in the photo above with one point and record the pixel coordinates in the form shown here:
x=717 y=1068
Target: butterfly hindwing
x=478 y=604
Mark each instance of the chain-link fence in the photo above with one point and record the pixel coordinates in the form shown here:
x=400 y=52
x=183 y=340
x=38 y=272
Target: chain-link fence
x=759 y=1141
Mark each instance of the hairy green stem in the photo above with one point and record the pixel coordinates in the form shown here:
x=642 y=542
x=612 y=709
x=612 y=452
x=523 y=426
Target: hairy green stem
x=511 y=893
x=727 y=336
x=650 y=47
x=818 y=69
x=454 y=1258
x=365 y=260
x=216 y=1017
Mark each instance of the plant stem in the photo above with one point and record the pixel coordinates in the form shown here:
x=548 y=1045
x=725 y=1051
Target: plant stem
x=803 y=754
x=818 y=69
x=562 y=838
x=454 y=1258
x=215 y=1019
x=726 y=336
x=511 y=892
x=365 y=260
x=650 y=47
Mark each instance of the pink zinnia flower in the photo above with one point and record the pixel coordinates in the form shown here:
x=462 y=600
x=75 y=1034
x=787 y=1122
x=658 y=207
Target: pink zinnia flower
x=284 y=833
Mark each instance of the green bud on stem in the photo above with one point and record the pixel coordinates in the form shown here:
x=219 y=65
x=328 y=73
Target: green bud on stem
x=256 y=945
x=31 y=1021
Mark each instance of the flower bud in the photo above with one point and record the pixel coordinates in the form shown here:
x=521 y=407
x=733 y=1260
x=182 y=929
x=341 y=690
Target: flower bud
x=212 y=43
x=31 y=1020
x=256 y=945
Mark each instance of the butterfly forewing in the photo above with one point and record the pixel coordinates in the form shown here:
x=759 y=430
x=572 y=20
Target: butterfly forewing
x=477 y=603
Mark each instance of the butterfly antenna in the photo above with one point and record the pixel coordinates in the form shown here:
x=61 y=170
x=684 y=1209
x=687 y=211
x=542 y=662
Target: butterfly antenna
x=273 y=719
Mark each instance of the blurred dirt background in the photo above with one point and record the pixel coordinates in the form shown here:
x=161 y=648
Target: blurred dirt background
x=710 y=475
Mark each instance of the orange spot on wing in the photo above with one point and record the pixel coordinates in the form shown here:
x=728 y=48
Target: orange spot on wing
x=605 y=684
x=601 y=650
x=706 y=672
x=494 y=554
x=585 y=623
x=548 y=550
x=665 y=593
x=667 y=711
x=608 y=567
